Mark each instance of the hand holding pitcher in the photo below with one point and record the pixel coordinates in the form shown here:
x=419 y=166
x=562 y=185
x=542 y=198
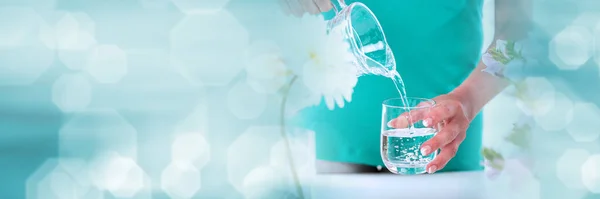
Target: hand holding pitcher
x=300 y=7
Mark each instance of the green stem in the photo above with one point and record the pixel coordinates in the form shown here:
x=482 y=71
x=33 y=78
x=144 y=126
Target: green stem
x=286 y=139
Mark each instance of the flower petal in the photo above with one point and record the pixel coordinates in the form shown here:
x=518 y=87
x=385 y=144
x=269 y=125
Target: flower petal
x=493 y=67
x=330 y=103
x=339 y=100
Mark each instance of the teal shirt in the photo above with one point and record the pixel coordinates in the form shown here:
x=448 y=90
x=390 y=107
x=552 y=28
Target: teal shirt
x=436 y=44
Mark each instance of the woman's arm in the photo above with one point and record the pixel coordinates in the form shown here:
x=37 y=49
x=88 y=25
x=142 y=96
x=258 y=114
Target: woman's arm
x=512 y=22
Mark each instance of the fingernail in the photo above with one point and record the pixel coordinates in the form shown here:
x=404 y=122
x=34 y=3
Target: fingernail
x=391 y=123
x=425 y=150
x=427 y=122
x=432 y=169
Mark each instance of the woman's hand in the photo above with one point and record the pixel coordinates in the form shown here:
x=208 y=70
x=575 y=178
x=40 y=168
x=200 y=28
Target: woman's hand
x=300 y=7
x=450 y=115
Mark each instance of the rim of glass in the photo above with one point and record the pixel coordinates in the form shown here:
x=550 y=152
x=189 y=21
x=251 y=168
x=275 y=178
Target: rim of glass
x=357 y=41
x=386 y=103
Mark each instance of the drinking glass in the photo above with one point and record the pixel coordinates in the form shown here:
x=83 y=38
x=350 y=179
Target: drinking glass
x=400 y=147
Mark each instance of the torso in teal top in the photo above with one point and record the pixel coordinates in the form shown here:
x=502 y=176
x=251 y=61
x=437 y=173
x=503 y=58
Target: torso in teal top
x=436 y=44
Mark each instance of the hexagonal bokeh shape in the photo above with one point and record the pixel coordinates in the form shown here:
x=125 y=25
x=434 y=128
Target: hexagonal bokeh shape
x=17 y=24
x=568 y=167
x=244 y=102
x=590 y=173
x=37 y=185
x=71 y=92
x=191 y=7
x=107 y=64
x=85 y=22
x=304 y=158
x=180 y=180
x=119 y=175
x=190 y=147
x=267 y=182
x=208 y=57
x=571 y=48
x=19 y=30
x=302 y=146
x=61 y=178
x=65 y=34
x=92 y=132
x=587 y=19
x=74 y=54
x=248 y=151
x=584 y=124
x=535 y=96
x=72 y=34
x=558 y=117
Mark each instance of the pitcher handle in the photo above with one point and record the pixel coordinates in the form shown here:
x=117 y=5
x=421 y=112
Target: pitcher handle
x=341 y=4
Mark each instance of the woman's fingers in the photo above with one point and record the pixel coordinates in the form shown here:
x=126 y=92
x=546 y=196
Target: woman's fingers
x=441 y=112
x=448 y=134
x=309 y=6
x=324 y=5
x=285 y=6
x=402 y=120
x=416 y=115
x=296 y=8
x=446 y=154
x=299 y=7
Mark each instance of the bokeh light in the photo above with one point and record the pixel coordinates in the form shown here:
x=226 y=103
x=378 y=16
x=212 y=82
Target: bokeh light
x=180 y=180
x=267 y=182
x=20 y=28
x=71 y=92
x=95 y=131
x=568 y=167
x=584 y=123
x=557 y=118
x=248 y=152
x=62 y=179
x=301 y=143
x=590 y=173
x=117 y=174
x=191 y=147
x=107 y=64
x=244 y=102
x=571 y=47
x=17 y=24
x=535 y=96
x=209 y=57
x=66 y=33
x=73 y=35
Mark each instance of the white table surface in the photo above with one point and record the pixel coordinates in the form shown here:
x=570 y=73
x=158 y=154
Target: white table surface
x=459 y=185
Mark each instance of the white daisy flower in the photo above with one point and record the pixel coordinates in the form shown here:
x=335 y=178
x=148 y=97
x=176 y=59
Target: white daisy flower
x=328 y=70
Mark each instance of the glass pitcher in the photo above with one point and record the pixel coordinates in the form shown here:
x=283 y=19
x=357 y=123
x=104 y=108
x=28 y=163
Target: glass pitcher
x=367 y=41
